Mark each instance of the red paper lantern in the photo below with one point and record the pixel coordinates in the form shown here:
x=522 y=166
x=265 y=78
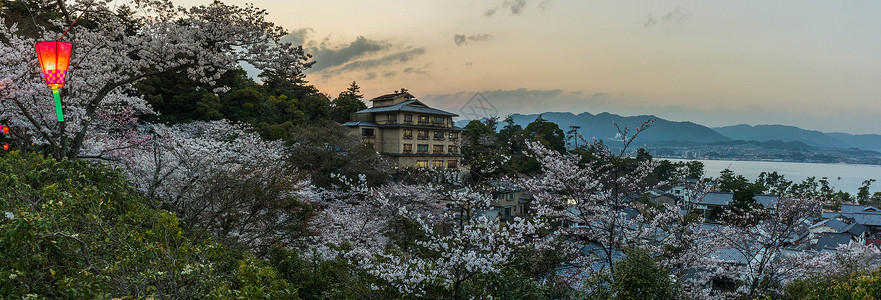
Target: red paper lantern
x=5 y=147
x=54 y=60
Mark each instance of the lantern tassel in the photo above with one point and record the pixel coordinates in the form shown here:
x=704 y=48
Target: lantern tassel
x=57 y=104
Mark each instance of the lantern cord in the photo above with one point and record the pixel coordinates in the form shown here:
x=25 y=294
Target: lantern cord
x=77 y=19
x=58 y=112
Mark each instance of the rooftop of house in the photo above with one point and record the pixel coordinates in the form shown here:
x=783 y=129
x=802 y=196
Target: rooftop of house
x=731 y=255
x=835 y=224
x=396 y=94
x=855 y=229
x=831 y=241
x=413 y=106
x=851 y=208
x=723 y=199
x=860 y=214
x=360 y=123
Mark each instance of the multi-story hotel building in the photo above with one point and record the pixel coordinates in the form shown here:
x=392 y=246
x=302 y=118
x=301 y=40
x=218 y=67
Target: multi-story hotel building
x=414 y=135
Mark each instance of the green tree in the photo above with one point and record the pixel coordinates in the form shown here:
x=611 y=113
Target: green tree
x=347 y=103
x=328 y=148
x=695 y=169
x=773 y=182
x=320 y=278
x=863 y=193
x=547 y=133
x=854 y=286
x=729 y=182
x=666 y=171
x=637 y=276
x=75 y=230
x=479 y=149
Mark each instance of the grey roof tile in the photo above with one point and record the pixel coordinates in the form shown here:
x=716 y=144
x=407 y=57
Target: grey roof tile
x=406 y=107
x=831 y=241
x=360 y=123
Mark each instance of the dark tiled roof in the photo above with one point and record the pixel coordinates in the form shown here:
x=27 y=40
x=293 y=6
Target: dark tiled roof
x=724 y=199
x=359 y=123
x=855 y=229
x=851 y=208
x=730 y=255
x=867 y=219
x=717 y=198
x=392 y=96
x=836 y=224
x=406 y=107
x=830 y=214
x=766 y=200
x=832 y=241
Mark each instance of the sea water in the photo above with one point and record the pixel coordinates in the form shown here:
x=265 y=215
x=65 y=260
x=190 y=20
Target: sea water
x=844 y=177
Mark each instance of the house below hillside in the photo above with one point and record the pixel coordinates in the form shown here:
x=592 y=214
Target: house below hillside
x=409 y=132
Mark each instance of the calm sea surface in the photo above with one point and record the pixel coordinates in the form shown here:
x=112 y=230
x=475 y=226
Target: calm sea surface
x=843 y=177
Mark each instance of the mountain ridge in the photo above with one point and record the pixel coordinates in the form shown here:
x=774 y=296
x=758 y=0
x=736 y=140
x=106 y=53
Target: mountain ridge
x=600 y=126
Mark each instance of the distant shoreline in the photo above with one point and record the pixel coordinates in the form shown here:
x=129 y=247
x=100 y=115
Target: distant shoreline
x=766 y=160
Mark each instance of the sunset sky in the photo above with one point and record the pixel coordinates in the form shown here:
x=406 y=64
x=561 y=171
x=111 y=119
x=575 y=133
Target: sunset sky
x=812 y=64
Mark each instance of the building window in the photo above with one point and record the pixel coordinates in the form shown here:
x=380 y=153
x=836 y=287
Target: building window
x=510 y=196
x=453 y=149
x=408 y=148
x=392 y=118
x=423 y=135
x=408 y=119
x=437 y=164
x=422 y=148
x=422 y=164
x=423 y=119
x=454 y=135
x=452 y=164
x=438 y=135
x=438 y=148
x=408 y=133
x=367 y=132
x=438 y=120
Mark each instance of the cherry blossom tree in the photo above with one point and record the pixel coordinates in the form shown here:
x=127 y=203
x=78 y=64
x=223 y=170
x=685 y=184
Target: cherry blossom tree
x=769 y=264
x=224 y=179
x=594 y=203
x=202 y=41
x=449 y=249
x=599 y=210
x=856 y=257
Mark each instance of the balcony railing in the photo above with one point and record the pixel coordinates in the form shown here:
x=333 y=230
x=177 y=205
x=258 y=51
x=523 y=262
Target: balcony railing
x=438 y=138
x=423 y=123
x=408 y=121
x=408 y=137
x=422 y=137
x=422 y=151
x=453 y=139
x=408 y=151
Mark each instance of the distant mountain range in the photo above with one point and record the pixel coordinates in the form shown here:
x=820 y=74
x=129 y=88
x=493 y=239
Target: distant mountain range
x=668 y=133
x=814 y=138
